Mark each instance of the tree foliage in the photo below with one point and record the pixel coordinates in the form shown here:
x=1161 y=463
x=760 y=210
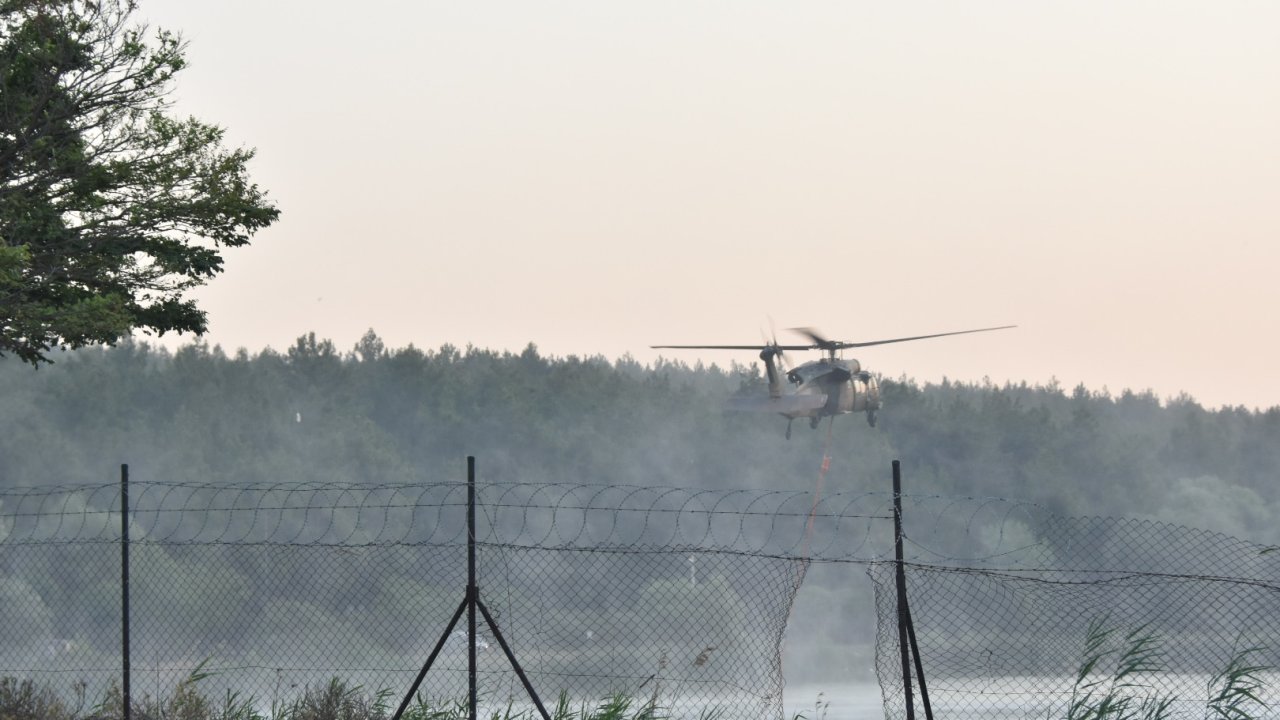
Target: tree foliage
x=389 y=415
x=317 y=413
x=111 y=207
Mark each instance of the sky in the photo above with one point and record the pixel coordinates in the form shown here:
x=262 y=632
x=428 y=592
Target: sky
x=598 y=177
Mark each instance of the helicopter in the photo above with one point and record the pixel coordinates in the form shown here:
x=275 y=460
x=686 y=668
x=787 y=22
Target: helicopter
x=821 y=388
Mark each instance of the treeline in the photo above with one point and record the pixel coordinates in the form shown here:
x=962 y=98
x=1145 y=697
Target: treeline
x=373 y=414
x=376 y=415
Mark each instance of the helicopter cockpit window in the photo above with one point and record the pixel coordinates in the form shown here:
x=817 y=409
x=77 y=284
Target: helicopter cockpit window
x=805 y=373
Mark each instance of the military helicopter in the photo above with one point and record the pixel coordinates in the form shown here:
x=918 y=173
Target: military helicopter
x=822 y=388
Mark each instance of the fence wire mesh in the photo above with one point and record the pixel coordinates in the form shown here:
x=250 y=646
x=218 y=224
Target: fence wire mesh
x=1004 y=595
x=670 y=596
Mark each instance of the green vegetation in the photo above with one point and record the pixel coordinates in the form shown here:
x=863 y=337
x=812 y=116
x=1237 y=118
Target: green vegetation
x=110 y=207
x=314 y=413
x=336 y=700
x=1114 y=680
x=380 y=415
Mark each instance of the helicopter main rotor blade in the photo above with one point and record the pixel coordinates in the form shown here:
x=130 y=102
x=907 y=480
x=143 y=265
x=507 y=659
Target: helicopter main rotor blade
x=821 y=343
x=732 y=347
x=919 y=337
x=818 y=340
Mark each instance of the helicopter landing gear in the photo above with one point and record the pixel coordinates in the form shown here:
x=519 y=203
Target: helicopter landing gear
x=789 y=421
x=814 y=422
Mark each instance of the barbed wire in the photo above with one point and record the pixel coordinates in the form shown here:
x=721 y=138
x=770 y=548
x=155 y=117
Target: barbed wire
x=566 y=516
x=606 y=586
x=847 y=526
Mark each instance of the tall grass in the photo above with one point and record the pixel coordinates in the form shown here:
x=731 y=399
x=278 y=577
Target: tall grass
x=335 y=700
x=1112 y=682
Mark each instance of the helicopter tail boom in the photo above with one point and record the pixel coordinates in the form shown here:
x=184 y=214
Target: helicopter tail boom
x=789 y=405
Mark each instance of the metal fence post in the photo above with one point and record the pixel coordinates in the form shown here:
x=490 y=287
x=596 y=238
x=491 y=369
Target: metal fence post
x=901 y=577
x=473 y=591
x=126 y=698
x=470 y=604
x=906 y=628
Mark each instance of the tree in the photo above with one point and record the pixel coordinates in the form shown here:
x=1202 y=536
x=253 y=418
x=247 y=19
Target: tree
x=110 y=207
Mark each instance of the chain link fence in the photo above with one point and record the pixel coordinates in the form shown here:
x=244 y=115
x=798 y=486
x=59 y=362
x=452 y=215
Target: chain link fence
x=1010 y=602
x=667 y=595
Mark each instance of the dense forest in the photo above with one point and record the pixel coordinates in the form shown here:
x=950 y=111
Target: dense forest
x=379 y=415
x=375 y=415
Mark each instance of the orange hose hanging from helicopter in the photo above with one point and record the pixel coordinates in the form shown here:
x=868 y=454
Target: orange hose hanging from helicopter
x=817 y=498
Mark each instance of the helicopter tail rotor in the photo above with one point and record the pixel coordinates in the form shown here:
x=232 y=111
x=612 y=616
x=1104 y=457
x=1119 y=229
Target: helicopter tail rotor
x=769 y=354
x=772 y=342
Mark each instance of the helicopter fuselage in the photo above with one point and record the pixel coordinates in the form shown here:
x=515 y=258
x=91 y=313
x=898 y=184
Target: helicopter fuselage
x=820 y=388
x=848 y=388
x=843 y=386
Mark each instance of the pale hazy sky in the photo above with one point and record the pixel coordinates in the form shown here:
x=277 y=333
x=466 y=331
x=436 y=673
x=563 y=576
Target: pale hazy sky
x=598 y=177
